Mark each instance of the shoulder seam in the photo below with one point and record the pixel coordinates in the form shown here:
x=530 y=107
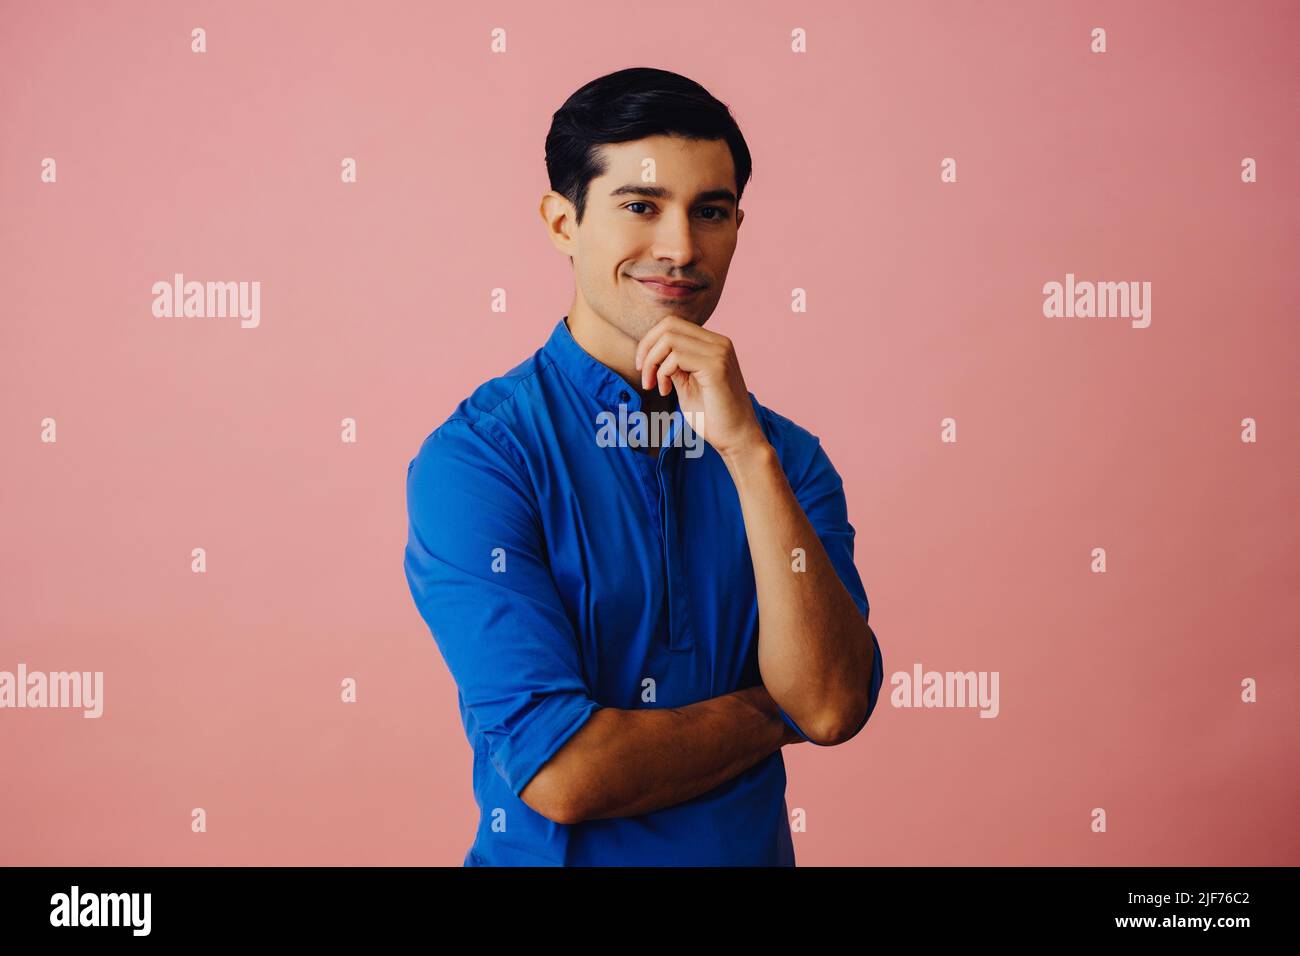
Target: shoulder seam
x=484 y=431
x=546 y=363
x=489 y=414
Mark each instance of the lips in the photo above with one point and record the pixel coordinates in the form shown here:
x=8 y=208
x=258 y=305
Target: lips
x=684 y=283
x=667 y=288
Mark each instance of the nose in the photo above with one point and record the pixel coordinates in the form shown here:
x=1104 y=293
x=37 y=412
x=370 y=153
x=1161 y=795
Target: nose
x=673 y=240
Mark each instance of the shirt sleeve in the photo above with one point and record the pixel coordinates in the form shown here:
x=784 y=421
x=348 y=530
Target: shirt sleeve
x=477 y=568
x=820 y=492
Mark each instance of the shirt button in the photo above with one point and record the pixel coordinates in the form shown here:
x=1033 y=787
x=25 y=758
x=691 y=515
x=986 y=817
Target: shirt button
x=624 y=397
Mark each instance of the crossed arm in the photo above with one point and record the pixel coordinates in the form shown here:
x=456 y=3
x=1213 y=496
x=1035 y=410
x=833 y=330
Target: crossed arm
x=815 y=655
x=623 y=763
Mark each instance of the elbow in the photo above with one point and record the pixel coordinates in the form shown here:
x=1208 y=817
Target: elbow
x=567 y=790
x=548 y=794
x=839 y=727
x=565 y=814
x=840 y=724
x=845 y=722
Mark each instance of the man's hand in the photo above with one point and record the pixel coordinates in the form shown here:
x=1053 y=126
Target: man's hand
x=711 y=392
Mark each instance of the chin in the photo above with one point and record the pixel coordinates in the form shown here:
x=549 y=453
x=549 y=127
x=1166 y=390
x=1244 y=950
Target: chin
x=636 y=324
x=643 y=324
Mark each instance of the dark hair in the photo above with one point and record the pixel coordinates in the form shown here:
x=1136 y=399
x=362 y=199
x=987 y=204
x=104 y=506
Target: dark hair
x=629 y=105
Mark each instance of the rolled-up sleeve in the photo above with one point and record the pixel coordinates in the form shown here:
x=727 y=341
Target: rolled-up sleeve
x=476 y=566
x=820 y=492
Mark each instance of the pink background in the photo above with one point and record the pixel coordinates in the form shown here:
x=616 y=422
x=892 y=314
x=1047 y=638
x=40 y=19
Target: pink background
x=221 y=691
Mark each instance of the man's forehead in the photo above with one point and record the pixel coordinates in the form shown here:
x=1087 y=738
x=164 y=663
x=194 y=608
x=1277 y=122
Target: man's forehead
x=699 y=169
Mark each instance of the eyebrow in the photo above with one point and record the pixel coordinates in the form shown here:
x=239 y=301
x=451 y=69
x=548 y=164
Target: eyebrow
x=661 y=192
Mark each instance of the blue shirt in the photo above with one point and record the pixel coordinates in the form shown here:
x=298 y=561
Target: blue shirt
x=559 y=574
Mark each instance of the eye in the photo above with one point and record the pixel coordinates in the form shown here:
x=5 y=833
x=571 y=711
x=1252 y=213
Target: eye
x=722 y=213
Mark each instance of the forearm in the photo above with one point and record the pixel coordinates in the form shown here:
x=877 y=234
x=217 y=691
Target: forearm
x=815 y=650
x=627 y=762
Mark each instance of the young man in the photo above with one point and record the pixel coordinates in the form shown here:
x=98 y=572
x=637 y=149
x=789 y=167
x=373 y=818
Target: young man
x=638 y=619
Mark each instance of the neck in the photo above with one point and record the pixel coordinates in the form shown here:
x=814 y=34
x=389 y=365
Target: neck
x=606 y=344
x=617 y=352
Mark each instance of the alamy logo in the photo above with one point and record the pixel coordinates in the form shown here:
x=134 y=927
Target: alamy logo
x=102 y=909
x=1103 y=300
x=83 y=689
x=946 y=689
x=636 y=429
x=214 y=300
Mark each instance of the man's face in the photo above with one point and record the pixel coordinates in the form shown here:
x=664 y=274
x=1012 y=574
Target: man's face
x=679 y=226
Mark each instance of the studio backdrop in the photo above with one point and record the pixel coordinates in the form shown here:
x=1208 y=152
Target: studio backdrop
x=1027 y=270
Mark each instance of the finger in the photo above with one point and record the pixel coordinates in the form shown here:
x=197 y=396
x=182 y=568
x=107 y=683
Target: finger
x=648 y=342
x=669 y=323
x=667 y=373
x=656 y=354
x=690 y=356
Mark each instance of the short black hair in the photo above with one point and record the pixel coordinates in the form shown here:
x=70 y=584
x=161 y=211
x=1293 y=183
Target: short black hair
x=628 y=105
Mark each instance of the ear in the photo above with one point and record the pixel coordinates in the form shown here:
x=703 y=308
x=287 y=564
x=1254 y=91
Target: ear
x=557 y=213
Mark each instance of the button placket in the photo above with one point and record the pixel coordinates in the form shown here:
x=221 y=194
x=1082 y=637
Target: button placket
x=679 y=631
x=642 y=464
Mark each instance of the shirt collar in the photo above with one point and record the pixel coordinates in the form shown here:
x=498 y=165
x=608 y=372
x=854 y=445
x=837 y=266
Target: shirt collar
x=595 y=378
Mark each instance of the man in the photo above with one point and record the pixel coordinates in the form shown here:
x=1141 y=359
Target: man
x=638 y=626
